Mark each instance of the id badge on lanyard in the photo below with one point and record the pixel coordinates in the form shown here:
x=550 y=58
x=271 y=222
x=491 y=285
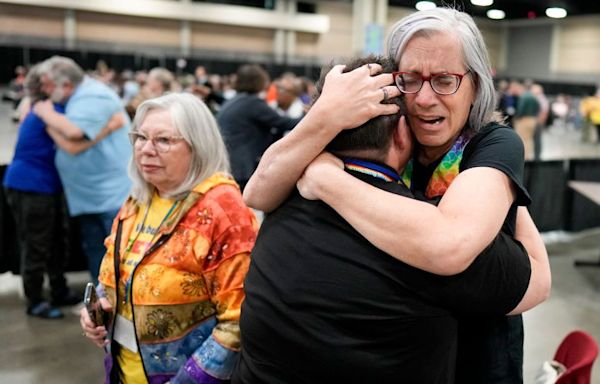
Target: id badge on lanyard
x=125 y=333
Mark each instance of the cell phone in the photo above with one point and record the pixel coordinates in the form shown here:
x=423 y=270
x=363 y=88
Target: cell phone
x=92 y=305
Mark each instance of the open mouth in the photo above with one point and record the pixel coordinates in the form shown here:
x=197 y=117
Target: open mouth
x=431 y=120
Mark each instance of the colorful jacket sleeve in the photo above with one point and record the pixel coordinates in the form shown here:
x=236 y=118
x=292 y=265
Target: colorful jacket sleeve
x=225 y=269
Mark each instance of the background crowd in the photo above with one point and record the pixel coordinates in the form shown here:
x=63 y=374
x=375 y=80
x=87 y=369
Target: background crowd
x=289 y=94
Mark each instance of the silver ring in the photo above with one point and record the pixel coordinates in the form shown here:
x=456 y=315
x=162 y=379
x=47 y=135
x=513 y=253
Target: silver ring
x=83 y=334
x=385 y=94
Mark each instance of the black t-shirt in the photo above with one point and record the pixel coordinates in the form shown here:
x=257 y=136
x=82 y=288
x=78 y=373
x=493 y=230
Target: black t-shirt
x=495 y=146
x=324 y=305
x=490 y=348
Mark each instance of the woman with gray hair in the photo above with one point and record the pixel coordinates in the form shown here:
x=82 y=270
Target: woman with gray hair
x=172 y=277
x=468 y=165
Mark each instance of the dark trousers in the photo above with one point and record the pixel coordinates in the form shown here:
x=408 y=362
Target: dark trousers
x=41 y=228
x=490 y=350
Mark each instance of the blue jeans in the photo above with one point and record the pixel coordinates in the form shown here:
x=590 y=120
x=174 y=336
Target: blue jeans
x=94 y=228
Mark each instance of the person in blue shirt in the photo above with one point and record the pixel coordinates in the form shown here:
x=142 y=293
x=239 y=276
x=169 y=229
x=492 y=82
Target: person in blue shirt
x=34 y=194
x=95 y=181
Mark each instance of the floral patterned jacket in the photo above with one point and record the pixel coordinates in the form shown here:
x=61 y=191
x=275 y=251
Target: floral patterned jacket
x=187 y=292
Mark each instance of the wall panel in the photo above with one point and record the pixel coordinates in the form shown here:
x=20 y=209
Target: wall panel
x=126 y=29
x=307 y=44
x=335 y=43
x=228 y=38
x=579 y=46
x=494 y=35
x=529 y=51
x=31 y=21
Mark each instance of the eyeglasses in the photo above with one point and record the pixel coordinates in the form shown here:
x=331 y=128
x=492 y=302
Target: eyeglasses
x=160 y=143
x=442 y=83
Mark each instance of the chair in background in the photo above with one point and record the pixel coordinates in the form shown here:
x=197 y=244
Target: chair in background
x=577 y=352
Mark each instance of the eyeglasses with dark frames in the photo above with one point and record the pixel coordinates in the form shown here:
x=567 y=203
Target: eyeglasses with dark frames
x=160 y=143
x=441 y=83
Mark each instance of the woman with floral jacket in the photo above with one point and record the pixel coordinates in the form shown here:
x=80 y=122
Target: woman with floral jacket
x=176 y=259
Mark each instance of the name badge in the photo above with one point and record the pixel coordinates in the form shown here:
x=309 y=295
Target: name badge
x=125 y=333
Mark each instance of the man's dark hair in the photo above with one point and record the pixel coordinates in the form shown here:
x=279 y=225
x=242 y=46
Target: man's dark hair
x=376 y=133
x=251 y=78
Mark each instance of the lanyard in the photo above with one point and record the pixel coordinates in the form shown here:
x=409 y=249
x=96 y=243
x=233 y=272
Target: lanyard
x=161 y=240
x=370 y=168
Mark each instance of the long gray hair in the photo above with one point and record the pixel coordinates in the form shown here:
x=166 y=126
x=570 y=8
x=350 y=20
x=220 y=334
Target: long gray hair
x=475 y=55
x=196 y=124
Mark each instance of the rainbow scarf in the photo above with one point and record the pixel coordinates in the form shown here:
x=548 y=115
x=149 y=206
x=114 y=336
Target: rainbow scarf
x=445 y=172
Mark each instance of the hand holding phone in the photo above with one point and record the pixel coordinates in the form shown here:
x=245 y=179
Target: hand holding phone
x=92 y=305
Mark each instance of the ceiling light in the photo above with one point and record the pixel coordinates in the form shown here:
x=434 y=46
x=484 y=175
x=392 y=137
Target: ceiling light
x=425 y=5
x=496 y=14
x=482 y=3
x=556 y=13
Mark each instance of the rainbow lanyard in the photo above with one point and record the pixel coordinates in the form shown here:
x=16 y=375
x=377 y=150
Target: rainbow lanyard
x=445 y=172
x=372 y=169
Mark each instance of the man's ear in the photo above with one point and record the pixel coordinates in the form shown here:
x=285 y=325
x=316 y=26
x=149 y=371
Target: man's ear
x=403 y=136
x=398 y=136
